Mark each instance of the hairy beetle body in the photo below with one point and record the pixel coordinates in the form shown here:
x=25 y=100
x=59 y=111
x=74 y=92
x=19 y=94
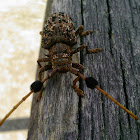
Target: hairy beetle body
x=58 y=37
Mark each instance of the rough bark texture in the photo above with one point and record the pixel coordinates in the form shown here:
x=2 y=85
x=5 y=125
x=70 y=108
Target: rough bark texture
x=61 y=114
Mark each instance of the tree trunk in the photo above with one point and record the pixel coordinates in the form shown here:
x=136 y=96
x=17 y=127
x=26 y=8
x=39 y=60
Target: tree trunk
x=61 y=114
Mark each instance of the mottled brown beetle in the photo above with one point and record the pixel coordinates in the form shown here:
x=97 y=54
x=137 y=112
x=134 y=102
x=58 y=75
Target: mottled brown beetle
x=59 y=37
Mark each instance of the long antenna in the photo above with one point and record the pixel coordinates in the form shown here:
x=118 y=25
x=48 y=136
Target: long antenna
x=92 y=83
x=35 y=87
x=117 y=103
x=39 y=83
x=14 y=108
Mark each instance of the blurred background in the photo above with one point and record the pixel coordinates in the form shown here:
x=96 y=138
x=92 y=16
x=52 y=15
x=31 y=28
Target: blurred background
x=20 y=24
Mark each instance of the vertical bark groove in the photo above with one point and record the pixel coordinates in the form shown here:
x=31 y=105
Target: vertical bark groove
x=79 y=117
x=125 y=91
x=80 y=81
x=110 y=26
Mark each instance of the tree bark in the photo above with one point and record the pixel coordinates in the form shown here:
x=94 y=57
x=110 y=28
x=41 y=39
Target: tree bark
x=61 y=114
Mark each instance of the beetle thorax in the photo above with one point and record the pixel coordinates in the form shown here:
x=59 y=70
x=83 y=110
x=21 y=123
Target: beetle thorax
x=60 y=57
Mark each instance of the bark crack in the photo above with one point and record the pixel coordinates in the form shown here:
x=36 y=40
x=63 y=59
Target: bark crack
x=121 y=129
x=110 y=26
x=92 y=125
x=80 y=81
x=79 y=118
x=133 y=24
x=124 y=88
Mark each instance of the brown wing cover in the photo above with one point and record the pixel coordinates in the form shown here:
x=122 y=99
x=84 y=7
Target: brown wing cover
x=58 y=28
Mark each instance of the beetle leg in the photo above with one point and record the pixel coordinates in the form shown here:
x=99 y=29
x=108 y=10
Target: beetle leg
x=81 y=68
x=42 y=60
x=78 y=66
x=80 y=48
x=81 y=33
x=48 y=76
x=77 y=73
x=42 y=69
x=39 y=94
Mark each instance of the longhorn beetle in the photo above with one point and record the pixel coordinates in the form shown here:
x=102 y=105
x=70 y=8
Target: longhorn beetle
x=59 y=37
